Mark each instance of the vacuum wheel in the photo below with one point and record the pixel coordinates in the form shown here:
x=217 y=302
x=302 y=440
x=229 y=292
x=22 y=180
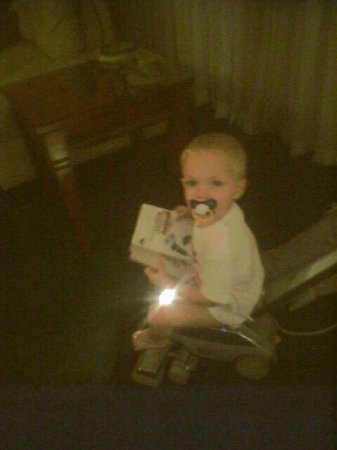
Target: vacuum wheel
x=252 y=367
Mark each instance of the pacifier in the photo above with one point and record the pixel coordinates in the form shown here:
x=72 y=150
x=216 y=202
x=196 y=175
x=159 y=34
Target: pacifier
x=203 y=211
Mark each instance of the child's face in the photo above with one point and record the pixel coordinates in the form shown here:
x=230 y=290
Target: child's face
x=208 y=176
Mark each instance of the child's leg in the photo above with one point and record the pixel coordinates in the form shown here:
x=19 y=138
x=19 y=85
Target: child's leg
x=182 y=314
x=163 y=319
x=152 y=337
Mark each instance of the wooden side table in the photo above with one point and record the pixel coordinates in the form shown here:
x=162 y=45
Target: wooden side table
x=66 y=110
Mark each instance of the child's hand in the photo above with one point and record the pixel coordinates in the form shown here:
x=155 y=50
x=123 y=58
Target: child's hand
x=158 y=276
x=181 y=212
x=196 y=275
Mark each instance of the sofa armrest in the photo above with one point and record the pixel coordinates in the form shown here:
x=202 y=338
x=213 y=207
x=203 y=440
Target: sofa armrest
x=64 y=28
x=9 y=27
x=52 y=25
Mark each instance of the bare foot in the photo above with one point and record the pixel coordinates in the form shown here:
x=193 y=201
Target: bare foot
x=143 y=340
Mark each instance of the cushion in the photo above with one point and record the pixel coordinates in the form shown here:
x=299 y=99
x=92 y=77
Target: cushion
x=51 y=24
x=20 y=61
x=9 y=30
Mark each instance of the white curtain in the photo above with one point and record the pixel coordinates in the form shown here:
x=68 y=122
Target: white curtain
x=267 y=65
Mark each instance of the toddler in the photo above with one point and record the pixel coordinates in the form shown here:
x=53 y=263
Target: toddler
x=228 y=273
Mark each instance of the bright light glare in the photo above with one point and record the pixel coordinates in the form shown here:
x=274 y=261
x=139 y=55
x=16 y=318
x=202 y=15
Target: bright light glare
x=167 y=296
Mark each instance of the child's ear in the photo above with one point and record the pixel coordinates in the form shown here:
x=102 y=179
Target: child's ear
x=241 y=187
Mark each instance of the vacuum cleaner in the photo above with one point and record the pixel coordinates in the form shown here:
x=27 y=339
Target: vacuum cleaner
x=298 y=272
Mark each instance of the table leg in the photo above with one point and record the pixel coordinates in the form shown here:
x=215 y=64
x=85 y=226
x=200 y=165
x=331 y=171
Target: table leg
x=61 y=167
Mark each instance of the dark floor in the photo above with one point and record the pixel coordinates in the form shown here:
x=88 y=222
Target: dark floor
x=67 y=318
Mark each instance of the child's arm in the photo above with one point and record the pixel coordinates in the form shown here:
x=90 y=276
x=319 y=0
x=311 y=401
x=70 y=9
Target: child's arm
x=181 y=212
x=185 y=292
x=158 y=276
x=193 y=294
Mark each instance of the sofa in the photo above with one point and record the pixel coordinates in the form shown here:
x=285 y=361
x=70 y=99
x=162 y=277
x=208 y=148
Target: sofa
x=37 y=36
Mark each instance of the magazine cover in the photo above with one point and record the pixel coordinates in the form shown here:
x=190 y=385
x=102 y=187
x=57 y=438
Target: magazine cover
x=157 y=234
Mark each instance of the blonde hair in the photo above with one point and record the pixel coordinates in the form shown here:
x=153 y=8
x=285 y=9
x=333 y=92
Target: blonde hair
x=223 y=144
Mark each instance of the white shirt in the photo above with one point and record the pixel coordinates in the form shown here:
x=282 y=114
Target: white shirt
x=229 y=266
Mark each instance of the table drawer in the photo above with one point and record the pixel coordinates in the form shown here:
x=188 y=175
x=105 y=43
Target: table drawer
x=97 y=124
x=94 y=132
x=151 y=103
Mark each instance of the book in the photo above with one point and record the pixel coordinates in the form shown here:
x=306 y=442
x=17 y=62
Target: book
x=158 y=234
